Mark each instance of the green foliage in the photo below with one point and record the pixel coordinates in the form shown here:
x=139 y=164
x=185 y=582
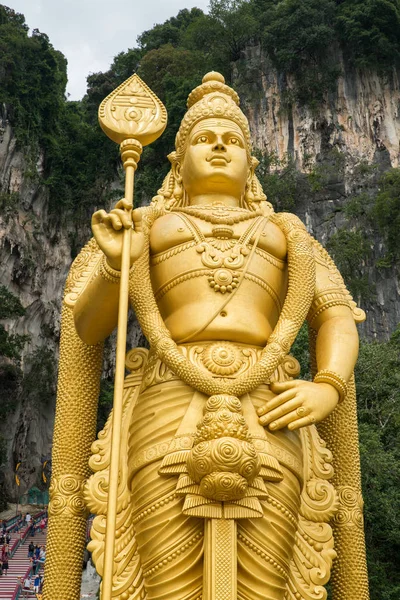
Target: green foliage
x=11 y=346
x=235 y=24
x=280 y=179
x=170 y=32
x=378 y=392
x=379 y=387
x=10 y=306
x=387 y=211
x=10 y=380
x=357 y=206
x=328 y=172
x=8 y=202
x=3 y=457
x=378 y=397
x=296 y=35
x=370 y=32
x=81 y=162
x=105 y=404
x=350 y=249
x=40 y=375
x=32 y=78
x=301 y=351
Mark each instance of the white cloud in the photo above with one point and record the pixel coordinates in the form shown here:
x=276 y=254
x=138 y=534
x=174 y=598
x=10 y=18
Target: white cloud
x=91 y=32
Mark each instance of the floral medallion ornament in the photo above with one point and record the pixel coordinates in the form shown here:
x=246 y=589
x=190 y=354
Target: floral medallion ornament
x=223 y=280
x=222 y=359
x=223 y=460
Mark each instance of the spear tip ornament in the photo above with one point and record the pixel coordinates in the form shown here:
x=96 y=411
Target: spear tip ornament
x=133 y=111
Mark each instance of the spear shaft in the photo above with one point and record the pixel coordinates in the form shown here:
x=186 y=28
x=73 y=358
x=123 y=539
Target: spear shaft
x=130 y=153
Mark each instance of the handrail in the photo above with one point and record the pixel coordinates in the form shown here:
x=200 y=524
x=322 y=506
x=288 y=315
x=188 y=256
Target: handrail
x=12 y=520
x=17 y=591
x=20 y=540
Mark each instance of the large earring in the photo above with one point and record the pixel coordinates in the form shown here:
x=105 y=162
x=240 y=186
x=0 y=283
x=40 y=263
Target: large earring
x=178 y=187
x=249 y=189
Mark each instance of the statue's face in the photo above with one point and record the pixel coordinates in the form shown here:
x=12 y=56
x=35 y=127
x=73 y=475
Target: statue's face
x=215 y=160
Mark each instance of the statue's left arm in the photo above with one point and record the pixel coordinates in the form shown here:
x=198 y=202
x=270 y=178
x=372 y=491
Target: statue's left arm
x=300 y=402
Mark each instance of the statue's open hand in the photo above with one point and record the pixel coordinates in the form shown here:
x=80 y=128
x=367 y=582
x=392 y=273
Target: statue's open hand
x=108 y=231
x=298 y=403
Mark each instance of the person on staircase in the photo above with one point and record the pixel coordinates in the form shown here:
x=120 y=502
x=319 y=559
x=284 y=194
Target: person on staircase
x=27 y=586
x=4 y=557
x=36 y=583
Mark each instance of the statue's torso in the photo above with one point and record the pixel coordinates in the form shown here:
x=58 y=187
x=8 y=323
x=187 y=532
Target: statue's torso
x=183 y=275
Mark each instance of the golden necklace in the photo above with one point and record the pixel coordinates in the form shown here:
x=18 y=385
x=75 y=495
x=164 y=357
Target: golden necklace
x=222 y=278
x=219 y=215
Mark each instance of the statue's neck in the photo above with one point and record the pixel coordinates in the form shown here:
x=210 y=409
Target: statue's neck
x=214 y=200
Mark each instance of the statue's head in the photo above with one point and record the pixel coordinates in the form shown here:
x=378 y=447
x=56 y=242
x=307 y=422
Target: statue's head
x=212 y=149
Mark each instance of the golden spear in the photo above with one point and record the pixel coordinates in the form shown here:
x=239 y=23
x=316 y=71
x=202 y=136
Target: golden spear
x=133 y=117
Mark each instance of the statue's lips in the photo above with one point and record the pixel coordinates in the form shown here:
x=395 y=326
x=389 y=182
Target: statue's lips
x=218 y=160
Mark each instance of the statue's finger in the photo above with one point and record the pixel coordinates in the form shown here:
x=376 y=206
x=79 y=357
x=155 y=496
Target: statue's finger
x=115 y=221
x=282 y=410
x=98 y=217
x=124 y=204
x=304 y=422
x=283 y=421
x=278 y=387
x=277 y=401
x=125 y=217
x=137 y=219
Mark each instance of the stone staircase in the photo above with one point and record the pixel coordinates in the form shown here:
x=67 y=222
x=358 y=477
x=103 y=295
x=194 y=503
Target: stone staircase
x=19 y=566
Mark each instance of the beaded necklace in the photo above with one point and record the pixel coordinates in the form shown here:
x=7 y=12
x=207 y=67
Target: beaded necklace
x=219 y=215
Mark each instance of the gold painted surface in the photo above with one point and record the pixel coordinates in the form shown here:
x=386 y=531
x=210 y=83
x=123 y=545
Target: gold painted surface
x=132 y=111
x=225 y=488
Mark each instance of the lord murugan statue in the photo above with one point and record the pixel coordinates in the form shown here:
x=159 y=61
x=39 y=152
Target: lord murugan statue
x=236 y=479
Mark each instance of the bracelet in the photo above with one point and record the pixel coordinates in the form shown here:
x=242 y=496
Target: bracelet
x=334 y=380
x=110 y=274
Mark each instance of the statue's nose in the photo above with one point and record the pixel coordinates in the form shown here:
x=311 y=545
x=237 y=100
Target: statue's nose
x=219 y=145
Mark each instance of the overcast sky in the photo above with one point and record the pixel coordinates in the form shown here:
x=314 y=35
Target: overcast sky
x=91 y=32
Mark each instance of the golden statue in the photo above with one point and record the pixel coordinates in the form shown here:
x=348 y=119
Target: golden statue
x=234 y=478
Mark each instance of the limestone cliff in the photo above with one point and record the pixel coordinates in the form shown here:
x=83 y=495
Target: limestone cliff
x=360 y=121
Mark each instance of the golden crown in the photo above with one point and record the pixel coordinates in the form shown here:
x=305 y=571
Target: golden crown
x=212 y=99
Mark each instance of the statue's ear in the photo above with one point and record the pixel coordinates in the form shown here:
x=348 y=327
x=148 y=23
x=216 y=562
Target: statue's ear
x=253 y=165
x=254 y=191
x=175 y=166
x=175 y=182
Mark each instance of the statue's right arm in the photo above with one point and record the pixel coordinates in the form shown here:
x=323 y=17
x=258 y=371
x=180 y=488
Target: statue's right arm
x=96 y=310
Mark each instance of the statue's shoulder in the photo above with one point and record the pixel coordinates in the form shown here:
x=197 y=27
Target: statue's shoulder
x=287 y=221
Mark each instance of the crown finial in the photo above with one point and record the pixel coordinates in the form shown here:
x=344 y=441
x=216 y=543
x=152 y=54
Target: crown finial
x=213 y=76
x=213 y=82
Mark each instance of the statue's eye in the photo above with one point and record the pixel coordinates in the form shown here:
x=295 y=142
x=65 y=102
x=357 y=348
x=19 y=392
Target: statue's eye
x=203 y=139
x=234 y=140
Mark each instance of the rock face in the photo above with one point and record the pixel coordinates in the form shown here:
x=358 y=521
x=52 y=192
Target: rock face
x=34 y=259
x=359 y=122
x=361 y=118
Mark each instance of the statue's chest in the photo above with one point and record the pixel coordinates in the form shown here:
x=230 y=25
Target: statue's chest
x=216 y=242
x=217 y=257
